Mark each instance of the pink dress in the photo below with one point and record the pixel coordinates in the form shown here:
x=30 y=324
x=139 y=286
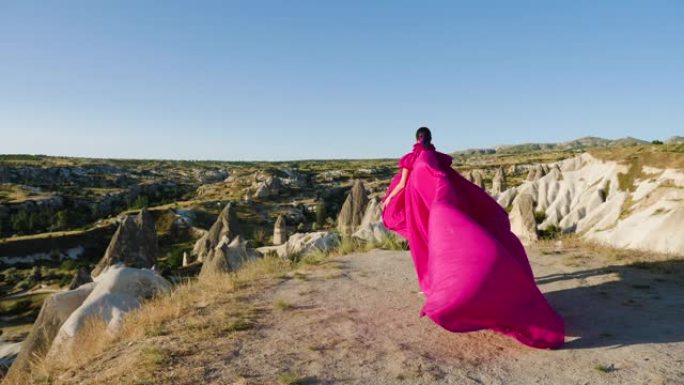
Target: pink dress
x=473 y=270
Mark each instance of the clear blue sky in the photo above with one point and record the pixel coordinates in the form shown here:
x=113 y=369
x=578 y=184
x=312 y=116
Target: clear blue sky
x=293 y=79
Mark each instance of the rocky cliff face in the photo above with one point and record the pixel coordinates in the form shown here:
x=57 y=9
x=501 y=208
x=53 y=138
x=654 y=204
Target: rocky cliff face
x=620 y=205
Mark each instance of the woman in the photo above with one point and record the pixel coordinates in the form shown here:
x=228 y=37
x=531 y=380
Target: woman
x=472 y=269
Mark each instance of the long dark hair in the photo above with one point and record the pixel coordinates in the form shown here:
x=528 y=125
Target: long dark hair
x=426 y=135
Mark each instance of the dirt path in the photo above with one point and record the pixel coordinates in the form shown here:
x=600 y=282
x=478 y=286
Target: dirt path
x=357 y=323
x=354 y=320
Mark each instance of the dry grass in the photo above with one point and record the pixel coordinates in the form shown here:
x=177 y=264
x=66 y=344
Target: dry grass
x=584 y=250
x=207 y=308
x=212 y=308
x=660 y=156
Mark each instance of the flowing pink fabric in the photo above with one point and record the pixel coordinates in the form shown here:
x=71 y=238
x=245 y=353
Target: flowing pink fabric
x=473 y=270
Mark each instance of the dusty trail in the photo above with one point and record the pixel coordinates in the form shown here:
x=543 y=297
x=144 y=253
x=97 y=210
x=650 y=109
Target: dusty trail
x=355 y=320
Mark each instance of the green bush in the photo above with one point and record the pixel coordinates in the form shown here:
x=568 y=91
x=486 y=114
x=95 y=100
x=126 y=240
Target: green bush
x=550 y=232
x=175 y=259
x=539 y=217
x=26 y=283
x=259 y=237
x=68 y=265
x=321 y=214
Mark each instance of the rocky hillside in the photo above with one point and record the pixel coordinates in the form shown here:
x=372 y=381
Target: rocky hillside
x=630 y=205
x=584 y=143
x=625 y=196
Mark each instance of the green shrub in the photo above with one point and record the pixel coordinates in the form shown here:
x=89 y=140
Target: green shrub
x=321 y=214
x=349 y=245
x=393 y=242
x=259 y=237
x=551 y=232
x=68 y=265
x=539 y=216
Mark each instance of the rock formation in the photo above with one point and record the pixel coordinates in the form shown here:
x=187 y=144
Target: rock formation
x=477 y=178
x=372 y=228
x=54 y=312
x=301 y=243
x=536 y=172
x=499 y=182
x=224 y=227
x=584 y=195
x=522 y=218
x=115 y=292
x=227 y=257
x=353 y=209
x=280 y=231
x=134 y=244
x=211 y=176
x=267 y=189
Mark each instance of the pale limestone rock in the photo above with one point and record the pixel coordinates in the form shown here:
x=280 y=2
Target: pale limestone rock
x=280 y=231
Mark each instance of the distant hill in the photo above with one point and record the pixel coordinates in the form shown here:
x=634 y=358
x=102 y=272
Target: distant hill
x=675 y=139
x=577 y=144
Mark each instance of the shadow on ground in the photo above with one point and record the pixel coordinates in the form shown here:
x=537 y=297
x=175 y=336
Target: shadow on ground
x=622 y=305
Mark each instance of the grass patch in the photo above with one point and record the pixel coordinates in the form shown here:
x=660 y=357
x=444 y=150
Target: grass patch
x=283 y=305
x=290 y=378
x=238 y=325
x=604 y=368
x=153 y=357
x=315 y=257
x=349 y=245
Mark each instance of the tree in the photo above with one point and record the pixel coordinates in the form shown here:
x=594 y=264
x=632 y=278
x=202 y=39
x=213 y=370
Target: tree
x=140 y=202
x=321 y=213
x=62 y=219
x=20 y=221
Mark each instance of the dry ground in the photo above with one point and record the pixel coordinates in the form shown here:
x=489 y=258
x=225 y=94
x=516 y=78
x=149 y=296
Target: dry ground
x=353 y=319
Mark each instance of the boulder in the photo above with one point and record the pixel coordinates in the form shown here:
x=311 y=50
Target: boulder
x=225 y=226
x=302 y=243
x=134 y=244
x=118 y=290
x=280 y=231
x=522 y=218
x=55 y=311
x=227 y=257
x=353 y=209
